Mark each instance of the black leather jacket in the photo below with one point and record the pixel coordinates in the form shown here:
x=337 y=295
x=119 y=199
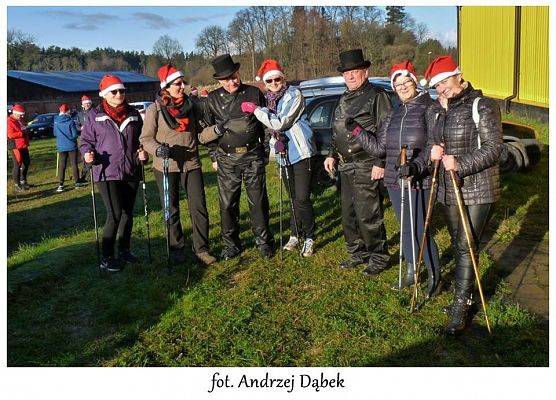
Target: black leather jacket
x=456 y=129
x=405 y=125
x=243 y=130
x=368 y=106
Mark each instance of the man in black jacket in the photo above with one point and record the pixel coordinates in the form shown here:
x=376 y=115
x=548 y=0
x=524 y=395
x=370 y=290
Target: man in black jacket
x=362 y=106
x=239 y=152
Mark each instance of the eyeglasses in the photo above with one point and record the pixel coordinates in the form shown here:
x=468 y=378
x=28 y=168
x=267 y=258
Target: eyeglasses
x=404 y=84
x=180 y=83
x=275 y=80
x=115 y=92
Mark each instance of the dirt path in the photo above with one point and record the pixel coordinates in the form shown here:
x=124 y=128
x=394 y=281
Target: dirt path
x=525 y=266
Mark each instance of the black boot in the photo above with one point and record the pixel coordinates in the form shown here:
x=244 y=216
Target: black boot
x=459 y=312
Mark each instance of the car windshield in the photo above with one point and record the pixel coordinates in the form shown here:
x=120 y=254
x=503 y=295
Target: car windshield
x=44 y=118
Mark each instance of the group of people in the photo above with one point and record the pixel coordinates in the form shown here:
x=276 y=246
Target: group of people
x=241 y=125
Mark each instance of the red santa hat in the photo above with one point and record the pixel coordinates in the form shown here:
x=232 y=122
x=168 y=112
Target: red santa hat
x=18 y=109
x=109 y=83
x=168 y=73
x=439 y=69
x=269 y=68
x=64 y=108
x=405 y=69
x=86 y=99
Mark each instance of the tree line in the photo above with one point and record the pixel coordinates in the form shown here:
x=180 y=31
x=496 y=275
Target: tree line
x=305 y=39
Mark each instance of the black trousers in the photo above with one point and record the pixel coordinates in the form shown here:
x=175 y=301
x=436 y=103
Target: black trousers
x=299 y=175
x=62 y=163
x=193 y=184
x=119 y=200
x=362 y=215
x=232 y=170
x=478 y=217
x=19 y=171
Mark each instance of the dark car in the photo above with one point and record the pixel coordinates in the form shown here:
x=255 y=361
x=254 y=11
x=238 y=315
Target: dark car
x=521 y=150
x=41 y=126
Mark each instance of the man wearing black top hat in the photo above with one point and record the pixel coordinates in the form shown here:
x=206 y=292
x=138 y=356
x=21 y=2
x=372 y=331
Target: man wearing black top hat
x=362 y=106
x=238 y=147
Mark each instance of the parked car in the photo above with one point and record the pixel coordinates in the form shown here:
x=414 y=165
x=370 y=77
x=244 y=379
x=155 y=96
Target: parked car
x=521 y=150
x=141 y=106
x=41 y=126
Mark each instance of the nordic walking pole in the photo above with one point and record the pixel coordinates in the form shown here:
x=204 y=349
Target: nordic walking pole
x=428 y=218
x=94 y=213
x=288 y=182
x=280 y=213
x=403 y=160
x=145 y=206
x=466 y=229
x=166 y=194
x=412 y=227
x=57 y=163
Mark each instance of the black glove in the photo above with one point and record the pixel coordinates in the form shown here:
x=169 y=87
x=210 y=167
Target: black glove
x=220 y=129
x=163 y=151
x=407 y=170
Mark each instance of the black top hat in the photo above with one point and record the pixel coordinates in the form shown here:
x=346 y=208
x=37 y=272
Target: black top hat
x=352 y=59
x=224 y=66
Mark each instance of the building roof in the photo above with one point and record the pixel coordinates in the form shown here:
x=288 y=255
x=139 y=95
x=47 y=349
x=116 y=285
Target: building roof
x=82 y=81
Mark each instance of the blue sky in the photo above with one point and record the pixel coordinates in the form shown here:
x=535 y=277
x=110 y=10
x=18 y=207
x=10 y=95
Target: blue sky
x=137 y=28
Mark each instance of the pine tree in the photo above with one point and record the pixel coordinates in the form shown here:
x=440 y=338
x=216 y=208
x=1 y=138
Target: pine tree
x=395 y=15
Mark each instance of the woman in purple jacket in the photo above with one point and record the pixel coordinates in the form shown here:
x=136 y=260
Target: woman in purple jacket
x=110 y=141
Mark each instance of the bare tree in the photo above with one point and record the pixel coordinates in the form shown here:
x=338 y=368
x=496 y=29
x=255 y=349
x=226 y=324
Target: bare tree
x=244 y=27
x=421 y=32
x=212 y=41
x=167 y=48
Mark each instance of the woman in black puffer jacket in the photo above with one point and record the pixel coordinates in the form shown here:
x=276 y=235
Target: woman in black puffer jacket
x=406 y=125
x=472 y=151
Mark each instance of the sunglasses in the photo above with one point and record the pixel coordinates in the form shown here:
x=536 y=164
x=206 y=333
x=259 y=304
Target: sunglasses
x=115 y=92
x=180 y=83
x=275 y=80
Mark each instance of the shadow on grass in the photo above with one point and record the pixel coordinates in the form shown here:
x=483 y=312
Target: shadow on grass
x=62 y=311
x=70 y=215
x=529 y=347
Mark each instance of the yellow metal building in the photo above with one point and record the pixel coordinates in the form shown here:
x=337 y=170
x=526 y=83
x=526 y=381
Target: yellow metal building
x=504 y=52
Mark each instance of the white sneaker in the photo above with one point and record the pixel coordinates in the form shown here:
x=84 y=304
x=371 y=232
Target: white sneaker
x=307 y=249
x=292 y=243
x=60 y=188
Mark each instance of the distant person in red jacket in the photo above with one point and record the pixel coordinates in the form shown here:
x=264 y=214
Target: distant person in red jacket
x=18 y=143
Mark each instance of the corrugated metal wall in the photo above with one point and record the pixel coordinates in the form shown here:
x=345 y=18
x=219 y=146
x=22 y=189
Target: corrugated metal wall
x=533 y=77
x=487 y=48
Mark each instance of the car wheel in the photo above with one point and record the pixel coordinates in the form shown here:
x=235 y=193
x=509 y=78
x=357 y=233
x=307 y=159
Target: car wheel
x=533 y=149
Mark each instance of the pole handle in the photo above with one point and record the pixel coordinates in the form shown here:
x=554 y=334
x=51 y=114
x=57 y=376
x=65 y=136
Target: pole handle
x=403 y=155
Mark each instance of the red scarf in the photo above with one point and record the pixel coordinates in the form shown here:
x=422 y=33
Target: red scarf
x=118 y=113
x=175 y=109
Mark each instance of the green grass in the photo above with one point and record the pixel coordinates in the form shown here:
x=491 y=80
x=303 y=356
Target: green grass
x=290 y=312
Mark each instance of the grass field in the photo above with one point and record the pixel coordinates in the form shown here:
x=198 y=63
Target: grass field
x=248 y=312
